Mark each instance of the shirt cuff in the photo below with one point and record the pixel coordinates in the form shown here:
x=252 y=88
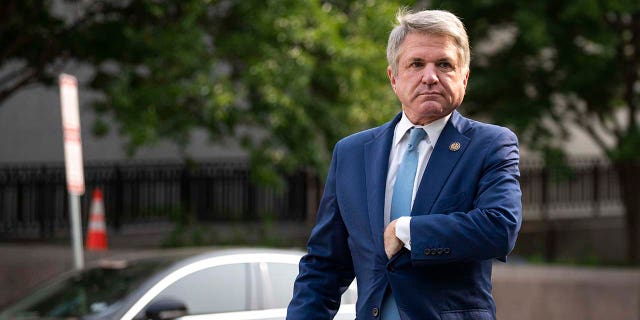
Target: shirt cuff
x=403 y=231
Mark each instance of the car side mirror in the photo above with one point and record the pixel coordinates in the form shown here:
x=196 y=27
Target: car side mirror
x=166 y=309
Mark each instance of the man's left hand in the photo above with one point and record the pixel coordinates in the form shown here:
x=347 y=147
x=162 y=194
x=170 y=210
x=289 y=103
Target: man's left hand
x=391 y=243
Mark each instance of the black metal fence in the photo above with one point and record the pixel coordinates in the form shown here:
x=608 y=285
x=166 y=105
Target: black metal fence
x=587 y=187
x=34 y=202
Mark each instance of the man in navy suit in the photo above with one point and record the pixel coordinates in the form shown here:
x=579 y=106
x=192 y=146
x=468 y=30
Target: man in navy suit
x=433 y=259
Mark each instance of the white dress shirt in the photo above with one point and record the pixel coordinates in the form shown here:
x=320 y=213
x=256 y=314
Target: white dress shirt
x=398 y=148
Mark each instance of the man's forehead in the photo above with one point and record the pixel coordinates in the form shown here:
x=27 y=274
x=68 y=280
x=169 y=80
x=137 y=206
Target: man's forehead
x=415 y=44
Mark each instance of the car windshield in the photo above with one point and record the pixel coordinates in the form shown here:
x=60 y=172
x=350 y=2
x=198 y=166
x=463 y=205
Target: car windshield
x=87 y=293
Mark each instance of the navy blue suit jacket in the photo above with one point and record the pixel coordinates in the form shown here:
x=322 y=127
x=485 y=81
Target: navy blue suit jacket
x=467 y=211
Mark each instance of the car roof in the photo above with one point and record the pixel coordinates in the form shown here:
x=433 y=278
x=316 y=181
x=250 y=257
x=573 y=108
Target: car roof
x=183 y=256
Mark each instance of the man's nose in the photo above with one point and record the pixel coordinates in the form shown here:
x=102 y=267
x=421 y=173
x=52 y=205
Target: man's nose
x=429 y=75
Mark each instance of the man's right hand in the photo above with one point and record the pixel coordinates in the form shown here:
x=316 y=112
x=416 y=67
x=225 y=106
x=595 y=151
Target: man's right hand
x=391 y=243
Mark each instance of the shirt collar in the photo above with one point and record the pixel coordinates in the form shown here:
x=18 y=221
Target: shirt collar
x=434 y=129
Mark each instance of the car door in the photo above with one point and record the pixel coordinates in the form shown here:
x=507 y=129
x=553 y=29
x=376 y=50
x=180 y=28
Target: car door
x=271 y=281
x=211 y=290
x=276 y=285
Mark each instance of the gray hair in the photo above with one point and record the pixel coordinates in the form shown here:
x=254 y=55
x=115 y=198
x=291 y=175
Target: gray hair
x=435 y=22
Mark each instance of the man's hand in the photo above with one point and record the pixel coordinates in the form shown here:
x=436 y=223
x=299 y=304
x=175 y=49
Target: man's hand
x=391 y=243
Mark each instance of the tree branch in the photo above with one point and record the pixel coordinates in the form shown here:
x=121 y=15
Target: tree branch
x=584 y=119
x=589 y=128
x=12 y=75
x=616 y=128
x=13 y=81
x=28 y=77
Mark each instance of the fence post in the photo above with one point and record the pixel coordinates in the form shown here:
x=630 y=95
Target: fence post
x=185 y=191
x=119 y=203
x=548 y=226
x=20 y=198
x=313 y=196
x=40 y=206
x=252 y=199
x=596 y=189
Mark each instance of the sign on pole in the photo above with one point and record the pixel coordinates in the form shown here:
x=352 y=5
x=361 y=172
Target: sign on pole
x=72 y=142
x=73 y=160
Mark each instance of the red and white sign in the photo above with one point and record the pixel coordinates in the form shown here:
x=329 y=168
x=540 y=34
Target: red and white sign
x=71 y=126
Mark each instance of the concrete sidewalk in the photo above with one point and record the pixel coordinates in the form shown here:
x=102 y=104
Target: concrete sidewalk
x=522 y=292
x=538 y=292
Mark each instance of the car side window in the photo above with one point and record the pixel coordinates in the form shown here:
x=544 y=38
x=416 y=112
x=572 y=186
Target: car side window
x=277 y=285
x=212 y=290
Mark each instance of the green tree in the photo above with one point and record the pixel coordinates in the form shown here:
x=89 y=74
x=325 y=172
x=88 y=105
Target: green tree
x=310 y=72
x=288 y=78
x=541 y=66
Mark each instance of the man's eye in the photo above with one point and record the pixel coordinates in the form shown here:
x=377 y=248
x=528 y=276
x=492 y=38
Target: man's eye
x=445 y=65
x=416 y=64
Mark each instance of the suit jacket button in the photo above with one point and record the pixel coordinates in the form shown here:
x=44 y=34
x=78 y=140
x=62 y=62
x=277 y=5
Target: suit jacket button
x=390 y=268
x=375 y=312
x=427 y=252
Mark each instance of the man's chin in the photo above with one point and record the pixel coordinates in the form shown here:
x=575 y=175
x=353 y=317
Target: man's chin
x=432 y=108
x=425 y=116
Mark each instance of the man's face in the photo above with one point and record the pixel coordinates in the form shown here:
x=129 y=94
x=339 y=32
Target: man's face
x=431 y=79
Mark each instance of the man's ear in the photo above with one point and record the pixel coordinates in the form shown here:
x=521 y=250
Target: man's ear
x=392 y=78
x=466 y=78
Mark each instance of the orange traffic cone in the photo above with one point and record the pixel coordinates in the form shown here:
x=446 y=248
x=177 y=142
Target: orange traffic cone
x=97 y=234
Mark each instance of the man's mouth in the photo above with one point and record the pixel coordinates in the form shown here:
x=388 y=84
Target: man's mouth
x=429 y=94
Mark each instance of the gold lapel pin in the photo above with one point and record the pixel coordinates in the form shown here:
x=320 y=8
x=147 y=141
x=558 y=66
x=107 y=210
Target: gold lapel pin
x=455 y=146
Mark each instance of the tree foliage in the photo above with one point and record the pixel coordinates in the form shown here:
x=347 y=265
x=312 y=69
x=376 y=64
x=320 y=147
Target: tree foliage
x=287 y=78
x=542 y=65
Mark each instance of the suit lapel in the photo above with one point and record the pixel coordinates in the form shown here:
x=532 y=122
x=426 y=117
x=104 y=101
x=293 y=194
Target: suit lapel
x=376 y=158
x=448 y=150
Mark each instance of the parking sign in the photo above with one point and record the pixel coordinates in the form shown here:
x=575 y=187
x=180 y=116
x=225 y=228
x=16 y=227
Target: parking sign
x=71 y=127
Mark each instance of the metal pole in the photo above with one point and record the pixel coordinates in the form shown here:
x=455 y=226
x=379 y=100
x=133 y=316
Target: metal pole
x=76 y=233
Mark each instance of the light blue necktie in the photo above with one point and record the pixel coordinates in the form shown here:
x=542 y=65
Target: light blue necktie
x=401 y=202
x=403 y=188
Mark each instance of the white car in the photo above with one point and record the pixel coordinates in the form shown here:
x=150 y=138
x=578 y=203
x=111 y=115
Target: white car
x=224 y=284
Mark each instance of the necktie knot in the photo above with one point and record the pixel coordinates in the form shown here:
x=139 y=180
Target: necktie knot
x=415 y=136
